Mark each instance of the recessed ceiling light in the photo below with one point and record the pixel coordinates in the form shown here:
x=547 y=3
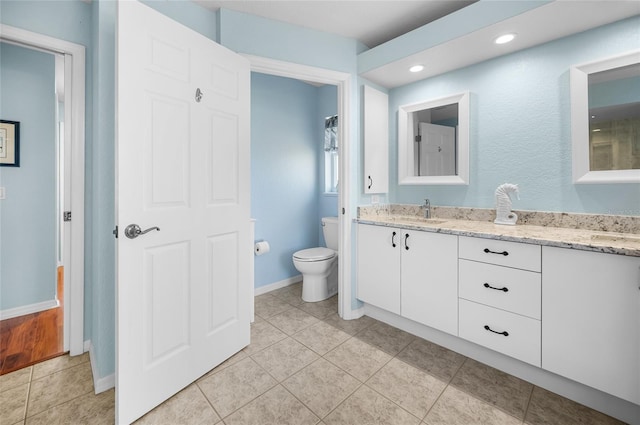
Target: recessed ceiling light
x=416 y=68
x=505 y=38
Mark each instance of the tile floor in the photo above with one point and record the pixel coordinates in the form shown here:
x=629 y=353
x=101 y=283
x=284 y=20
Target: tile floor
x=307 y=366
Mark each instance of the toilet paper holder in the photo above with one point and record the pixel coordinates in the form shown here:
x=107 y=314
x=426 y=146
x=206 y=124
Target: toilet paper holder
x=261 y=248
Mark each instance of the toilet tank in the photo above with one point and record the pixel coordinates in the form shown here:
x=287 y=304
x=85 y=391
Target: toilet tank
x=330 y=232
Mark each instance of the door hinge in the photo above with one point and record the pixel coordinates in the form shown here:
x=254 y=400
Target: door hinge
x=418 y=138
x=66 y=216
x=115 y=232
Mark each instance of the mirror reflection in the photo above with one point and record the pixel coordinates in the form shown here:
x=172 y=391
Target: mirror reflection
x=435 y=141
x=614 y=119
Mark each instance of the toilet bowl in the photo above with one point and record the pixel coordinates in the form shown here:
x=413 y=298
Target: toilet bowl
x=319 y=266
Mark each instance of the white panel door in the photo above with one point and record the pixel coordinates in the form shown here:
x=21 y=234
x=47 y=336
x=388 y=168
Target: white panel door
x=183 y=166
x=438 y=156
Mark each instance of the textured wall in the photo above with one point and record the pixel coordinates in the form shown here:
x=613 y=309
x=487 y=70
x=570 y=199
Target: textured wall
x=28 y=214
x=520 y=127
x=284 y=172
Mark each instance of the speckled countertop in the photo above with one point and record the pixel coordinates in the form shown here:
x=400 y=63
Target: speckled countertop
x=583 y=237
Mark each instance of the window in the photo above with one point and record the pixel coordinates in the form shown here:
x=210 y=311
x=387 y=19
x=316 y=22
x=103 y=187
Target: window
x=331 y=154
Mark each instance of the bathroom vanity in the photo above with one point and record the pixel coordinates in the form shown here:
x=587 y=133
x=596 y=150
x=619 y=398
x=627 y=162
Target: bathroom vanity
x=565 y=301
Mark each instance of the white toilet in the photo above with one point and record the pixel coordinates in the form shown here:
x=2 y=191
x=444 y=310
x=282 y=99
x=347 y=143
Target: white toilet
x=319 y=266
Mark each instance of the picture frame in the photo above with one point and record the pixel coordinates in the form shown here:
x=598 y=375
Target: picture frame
x=9 y=143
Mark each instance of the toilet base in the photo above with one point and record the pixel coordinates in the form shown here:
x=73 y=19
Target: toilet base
x=318 y=288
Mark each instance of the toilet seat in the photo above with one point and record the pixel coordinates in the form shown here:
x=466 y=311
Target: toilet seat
x=314 y=254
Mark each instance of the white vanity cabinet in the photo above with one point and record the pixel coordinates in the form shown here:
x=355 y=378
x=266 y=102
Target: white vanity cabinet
x=429 y=277
x=500 y=296
x=591 y=319
x=410 y=273
x=376 y=141
x=378 y=266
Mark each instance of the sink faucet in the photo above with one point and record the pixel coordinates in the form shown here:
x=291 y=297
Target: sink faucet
x=427 y=208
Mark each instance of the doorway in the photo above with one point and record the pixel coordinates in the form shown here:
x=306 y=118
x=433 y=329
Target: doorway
x=343 y=83
x=65 y=192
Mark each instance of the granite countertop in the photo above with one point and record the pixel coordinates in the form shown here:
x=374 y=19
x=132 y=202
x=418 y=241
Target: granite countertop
x=576 y=238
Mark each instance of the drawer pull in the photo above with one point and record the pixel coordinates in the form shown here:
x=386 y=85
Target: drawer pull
x=488 y=251
x=393 y=240
x=406 y=236
x=504 y=289
x=505 y=333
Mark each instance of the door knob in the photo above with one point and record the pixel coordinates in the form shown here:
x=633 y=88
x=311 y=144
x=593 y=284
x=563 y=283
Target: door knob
x=132 y=231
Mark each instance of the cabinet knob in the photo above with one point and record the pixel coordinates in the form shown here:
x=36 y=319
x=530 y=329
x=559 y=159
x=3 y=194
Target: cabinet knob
x=393 y=239
x=406 y=236
x=370 y=182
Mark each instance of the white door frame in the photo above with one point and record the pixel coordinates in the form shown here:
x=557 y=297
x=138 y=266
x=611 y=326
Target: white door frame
x=74 y=79
x=343 y=81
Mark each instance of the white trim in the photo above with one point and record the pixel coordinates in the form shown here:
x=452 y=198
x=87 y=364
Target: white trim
x=406 y=175
x=343 y=82
x=100 y=384
x=277 y=285
x=10 y=313
x=74 y=131
x=579 y=82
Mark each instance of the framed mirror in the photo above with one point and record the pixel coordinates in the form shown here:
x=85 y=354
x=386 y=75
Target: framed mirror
x=605 y=120
x=433 y=142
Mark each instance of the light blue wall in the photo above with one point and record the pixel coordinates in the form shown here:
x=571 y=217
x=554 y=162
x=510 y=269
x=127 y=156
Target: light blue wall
x=28 y=214
x=102 y=188
x=189 y=14
x=70 y=21
x=284 y=172
x=64 y=19
x=262 y=37
x=259 y=36
x=520 y=127
x=327 y=106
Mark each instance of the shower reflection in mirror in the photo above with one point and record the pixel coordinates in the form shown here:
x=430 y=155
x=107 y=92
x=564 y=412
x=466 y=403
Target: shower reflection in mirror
x=433 y=141
x=605 y=120
x=614 y=119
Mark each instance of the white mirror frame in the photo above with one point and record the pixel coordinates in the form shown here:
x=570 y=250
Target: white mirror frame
x=406 y=155
x=579 y=76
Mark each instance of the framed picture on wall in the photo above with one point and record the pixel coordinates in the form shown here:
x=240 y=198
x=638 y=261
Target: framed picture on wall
x=9 y=143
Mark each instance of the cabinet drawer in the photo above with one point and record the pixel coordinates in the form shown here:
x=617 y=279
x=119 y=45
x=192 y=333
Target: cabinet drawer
x=517 y=291
x=510 y=254
x=477 y=322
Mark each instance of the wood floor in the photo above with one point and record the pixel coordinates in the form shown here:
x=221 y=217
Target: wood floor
x=32 y=338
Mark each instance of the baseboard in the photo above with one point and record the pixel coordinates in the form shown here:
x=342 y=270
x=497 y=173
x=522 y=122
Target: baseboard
x=277 y=285
x=10 y=313
x=353 y=314
x=598 y=400
x=100 y=384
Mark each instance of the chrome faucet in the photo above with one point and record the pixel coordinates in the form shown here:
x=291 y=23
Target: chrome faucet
x=427 y=208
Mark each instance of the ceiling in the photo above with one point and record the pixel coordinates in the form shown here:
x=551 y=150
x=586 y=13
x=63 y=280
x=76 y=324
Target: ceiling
x=371 y=22
x=375 y=22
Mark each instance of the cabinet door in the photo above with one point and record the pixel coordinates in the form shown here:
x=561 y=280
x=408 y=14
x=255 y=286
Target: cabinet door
x=429 y=279
x=591 y=319
x=379 y=266
x=376 y=141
